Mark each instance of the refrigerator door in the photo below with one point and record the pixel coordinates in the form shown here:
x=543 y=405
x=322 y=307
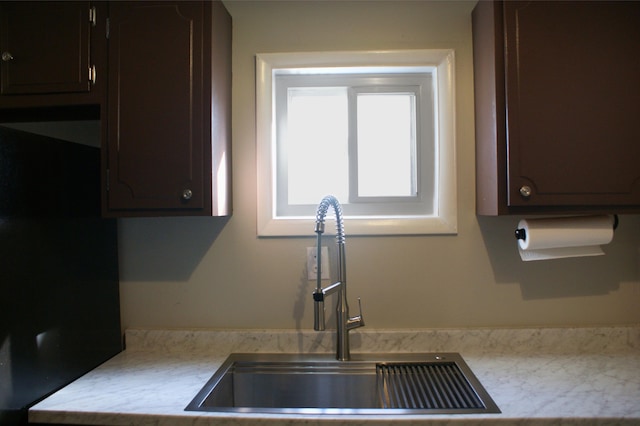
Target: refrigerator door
x=59 y=299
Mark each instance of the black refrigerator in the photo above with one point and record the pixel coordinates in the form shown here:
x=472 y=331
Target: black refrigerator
x=59 y=296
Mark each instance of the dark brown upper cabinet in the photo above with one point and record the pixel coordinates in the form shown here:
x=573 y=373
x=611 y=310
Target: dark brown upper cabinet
x=52 y=51
x=169 y=109
x=557 y=101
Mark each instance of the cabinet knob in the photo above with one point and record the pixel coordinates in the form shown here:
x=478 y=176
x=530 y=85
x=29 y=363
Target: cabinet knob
x=525 y=191
x=187 y=194
x=7 y=56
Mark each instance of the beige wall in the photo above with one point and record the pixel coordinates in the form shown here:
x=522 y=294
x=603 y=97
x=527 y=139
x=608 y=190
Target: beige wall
x=210 y=272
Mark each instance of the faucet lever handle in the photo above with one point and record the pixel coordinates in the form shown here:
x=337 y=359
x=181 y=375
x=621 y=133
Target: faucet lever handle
x=358 y=320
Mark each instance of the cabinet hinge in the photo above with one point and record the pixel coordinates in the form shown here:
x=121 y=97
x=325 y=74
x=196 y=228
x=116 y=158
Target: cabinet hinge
x=107 y=29
x=92 y=74
x=93 y=16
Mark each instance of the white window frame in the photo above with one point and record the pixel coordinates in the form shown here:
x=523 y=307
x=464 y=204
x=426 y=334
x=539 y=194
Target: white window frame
x=439 y=61
x=351 y=84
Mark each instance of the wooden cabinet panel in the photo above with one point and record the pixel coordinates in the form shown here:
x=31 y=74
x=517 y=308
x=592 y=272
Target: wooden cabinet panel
x=55 y=56
x=166 y=118
x=45 y=47
x=165 y=136
x=155 y=105
x=557 y=94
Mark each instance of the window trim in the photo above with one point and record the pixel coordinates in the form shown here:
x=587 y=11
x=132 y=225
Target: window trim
x=444 y=221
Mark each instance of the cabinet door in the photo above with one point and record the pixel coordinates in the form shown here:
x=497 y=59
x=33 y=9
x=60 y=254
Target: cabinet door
x=573 y=96
x=155 y=113
x=44 y=47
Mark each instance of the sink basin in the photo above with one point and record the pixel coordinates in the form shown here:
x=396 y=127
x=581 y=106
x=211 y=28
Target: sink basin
x=367 y=384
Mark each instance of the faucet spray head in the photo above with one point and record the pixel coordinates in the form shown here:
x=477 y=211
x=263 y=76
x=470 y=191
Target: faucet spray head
x=318 y=311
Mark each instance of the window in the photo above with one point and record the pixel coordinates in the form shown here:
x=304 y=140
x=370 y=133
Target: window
x=354 y=136
x=375 y=129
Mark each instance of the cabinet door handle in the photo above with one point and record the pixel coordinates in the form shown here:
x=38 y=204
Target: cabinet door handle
x=187 y=194
x=7 y=56
x=93 y=16
x=525 y=191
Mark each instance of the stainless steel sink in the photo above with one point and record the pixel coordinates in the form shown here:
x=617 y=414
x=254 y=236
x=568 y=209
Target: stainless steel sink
x=368 y=384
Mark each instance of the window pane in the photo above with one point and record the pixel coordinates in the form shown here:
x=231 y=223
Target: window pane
x=317 y=144
x=386 y=145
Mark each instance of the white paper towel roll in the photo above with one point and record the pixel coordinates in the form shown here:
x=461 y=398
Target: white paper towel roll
x=556 y=238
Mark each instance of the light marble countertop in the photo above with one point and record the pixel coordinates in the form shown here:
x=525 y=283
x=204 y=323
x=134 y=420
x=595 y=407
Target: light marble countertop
x=581 y=376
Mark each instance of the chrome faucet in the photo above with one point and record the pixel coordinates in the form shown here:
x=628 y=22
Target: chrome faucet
x=344 y=321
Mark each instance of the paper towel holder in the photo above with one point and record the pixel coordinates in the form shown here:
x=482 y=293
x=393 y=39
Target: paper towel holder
x=521 y=233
